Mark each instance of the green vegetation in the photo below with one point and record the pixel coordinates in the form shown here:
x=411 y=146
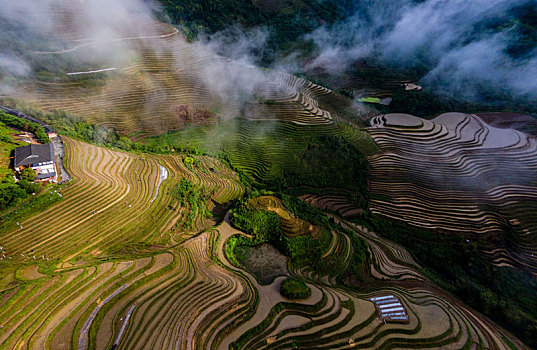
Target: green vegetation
x=35 y=205
x=369 y=99
x=359 y=256
x=77 y=128
x=25 y=125
x=120 y=235
x=303 y=250
x=293 y=288
x=304 y=211
x=182 y=190
x=282 y=156
x=7 y=145
x=327 y=161
x=28 y=174
x=12 y=192
x=287 y=24
x=264 y=226
x=196 y=197
x=314 y=159
x=80 y=129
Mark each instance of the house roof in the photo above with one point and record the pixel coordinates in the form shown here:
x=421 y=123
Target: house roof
x=33 y=154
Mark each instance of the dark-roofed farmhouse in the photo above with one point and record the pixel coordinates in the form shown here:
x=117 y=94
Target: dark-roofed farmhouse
x=38 y=157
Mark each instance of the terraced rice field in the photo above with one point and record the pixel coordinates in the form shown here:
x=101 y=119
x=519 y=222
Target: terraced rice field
x=108 y=266
x=159 y=71
x=336 y=318
x=456 y=174
x=263 y=149
x=338 y=203
x=122 y=262
x=110 y=205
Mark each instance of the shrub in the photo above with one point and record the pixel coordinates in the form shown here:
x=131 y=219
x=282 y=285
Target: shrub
x=293 y=288
x=182 y=190
x=12 y=193
x=28 y=174
x=30 y=187
x=264 y=226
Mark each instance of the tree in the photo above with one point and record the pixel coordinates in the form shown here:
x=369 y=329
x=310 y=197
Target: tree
x=28 y=174
x=29 y=187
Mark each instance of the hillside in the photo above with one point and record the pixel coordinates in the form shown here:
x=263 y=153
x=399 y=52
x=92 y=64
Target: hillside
x=108 y=259
x=229 y=191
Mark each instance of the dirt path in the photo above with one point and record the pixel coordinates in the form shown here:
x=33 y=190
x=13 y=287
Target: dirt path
x=59 y=152
x=82 y=339
x=92 y=71
x=107 y=41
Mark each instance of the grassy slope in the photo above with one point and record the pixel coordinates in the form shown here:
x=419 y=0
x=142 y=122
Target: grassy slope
x=268 y=150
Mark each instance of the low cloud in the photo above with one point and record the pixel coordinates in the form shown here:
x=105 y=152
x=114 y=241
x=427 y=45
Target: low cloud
x=455 y=39
x=14 y=65
x=484 y=63
x=59 y=25
x=231 y=72
x=464 y=57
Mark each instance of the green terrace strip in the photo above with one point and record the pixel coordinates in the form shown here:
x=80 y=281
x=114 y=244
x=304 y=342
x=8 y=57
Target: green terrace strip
x=282 y=154
x=294 y=289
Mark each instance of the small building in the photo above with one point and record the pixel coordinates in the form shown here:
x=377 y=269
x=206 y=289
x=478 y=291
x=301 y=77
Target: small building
x=38 y=157
x=390 y=309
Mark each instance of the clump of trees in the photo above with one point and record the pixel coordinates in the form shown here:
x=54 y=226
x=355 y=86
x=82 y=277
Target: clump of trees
x=28 y=174
x=293 y=288
x=25 y=125
x=264 y=227
x=196 y=198
x=13 y=193
x=182 y=190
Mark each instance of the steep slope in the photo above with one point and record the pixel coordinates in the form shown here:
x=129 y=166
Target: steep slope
x=458 y=175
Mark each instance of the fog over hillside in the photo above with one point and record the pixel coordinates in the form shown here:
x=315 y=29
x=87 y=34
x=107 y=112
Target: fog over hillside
x=35 y=27
x=65 y=37
x=458 y=43
x=462 y=48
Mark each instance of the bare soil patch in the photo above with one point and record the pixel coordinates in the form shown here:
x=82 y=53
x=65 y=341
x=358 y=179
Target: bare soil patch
x=31 y=273
x=265 y=262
